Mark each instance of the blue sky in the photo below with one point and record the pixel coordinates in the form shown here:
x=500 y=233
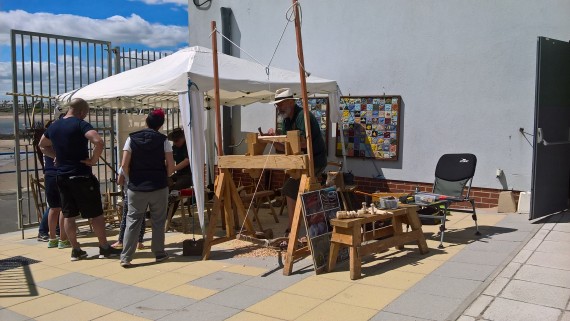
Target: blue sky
x=160 y=25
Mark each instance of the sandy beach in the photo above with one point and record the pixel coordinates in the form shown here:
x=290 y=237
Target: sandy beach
x=8 y=183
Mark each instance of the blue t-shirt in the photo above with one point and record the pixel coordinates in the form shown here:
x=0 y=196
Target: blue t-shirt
x=67 y=136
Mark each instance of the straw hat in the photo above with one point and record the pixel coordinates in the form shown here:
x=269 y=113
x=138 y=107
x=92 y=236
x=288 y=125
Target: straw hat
x=281 y=95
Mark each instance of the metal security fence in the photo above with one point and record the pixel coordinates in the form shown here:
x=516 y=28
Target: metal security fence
x=126 y=59
x=43 y=66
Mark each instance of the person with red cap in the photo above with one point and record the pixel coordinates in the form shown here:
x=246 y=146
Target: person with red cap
x=147 y=163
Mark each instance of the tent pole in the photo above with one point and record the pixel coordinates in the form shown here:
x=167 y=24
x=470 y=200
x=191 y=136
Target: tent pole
x=302 y=75
x=217 y=89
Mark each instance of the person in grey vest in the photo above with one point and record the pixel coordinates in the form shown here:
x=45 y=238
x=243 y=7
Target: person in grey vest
x=147 y=163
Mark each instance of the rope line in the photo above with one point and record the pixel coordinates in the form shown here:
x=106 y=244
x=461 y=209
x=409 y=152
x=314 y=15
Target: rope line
x=256 y=188
x=240 y=48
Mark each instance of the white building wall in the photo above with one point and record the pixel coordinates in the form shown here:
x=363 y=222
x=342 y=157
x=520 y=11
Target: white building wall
x=464 y=68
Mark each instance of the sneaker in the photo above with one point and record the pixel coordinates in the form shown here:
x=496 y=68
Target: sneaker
x=108 y=252
x=63 y=244
x=162 y=257
x=43 y=237
x=52 y=243
x=78 y=254
x=126 y=264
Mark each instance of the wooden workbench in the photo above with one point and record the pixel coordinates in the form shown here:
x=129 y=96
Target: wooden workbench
x=350 y=232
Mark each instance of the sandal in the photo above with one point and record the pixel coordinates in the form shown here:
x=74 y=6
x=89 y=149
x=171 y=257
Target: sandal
x=140 y=246
x=117 y=245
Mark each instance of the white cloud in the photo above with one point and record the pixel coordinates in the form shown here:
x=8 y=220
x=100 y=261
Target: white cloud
x=117 y=29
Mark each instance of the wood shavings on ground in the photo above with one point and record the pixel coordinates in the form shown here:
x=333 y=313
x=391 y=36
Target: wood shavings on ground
x=246 y=249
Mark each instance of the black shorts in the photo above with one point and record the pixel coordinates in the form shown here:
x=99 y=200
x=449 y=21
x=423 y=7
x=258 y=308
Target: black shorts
x=291 y=185
x=52 y=192
x=80 y=194
x=180 y=181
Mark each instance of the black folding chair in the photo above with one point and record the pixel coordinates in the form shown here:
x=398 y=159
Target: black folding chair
x=453 y=173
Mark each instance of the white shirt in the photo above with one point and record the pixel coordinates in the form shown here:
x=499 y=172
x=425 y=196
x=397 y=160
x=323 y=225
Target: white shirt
x=167 y=146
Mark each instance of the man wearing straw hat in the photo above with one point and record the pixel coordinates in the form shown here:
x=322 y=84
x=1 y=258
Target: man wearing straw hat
x=294 y=119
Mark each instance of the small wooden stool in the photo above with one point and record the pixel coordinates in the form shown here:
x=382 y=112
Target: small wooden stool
x=256 y=198
x=185 y=195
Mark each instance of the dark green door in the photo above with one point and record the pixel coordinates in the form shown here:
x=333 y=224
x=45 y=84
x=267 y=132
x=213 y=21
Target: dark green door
x=551 y=154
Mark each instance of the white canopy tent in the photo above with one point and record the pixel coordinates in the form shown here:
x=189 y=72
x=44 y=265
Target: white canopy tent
x=183 y=79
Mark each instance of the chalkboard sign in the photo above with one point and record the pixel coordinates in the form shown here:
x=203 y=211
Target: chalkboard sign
x=318 y=208
x=370 y=126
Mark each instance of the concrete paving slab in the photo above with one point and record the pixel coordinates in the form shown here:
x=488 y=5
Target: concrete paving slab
x=508 y=310
x=367 y=296
x=66 y=281
x=446 y=286
x=522 y=256
x=544 y=275
x=240 y=296
x=7 y=315
x=565 y=316
x=93 y=289
x=509 y=227
x=493 y=246
x=465 y=318
x=532 y=244
x=510 y=270
x=559 y=261
x=468 y=271
x=158 y=306
x=220 y=280
x=202 y=311
x=276 y=281
x=535 y=293
x=515 y=236
x=480 y=257
x=387 y=316
x=558 y=236
x=540 y=235
x=123 y=297
x=496 y=286
x=478 y=306
x=423 y=305
x=554 y=247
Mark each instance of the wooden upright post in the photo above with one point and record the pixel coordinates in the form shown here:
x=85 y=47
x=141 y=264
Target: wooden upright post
x=308 y=180
x=217 y=89
x=302 y=75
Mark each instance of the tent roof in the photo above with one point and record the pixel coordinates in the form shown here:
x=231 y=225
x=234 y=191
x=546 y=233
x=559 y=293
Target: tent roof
x=242 y=82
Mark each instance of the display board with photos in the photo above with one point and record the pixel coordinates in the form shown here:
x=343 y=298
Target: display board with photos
x=318 y=208
x=320 y=109
x=370 y=126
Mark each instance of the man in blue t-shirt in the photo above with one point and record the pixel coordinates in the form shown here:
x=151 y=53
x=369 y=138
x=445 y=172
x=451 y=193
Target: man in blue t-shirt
x=66 y=141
